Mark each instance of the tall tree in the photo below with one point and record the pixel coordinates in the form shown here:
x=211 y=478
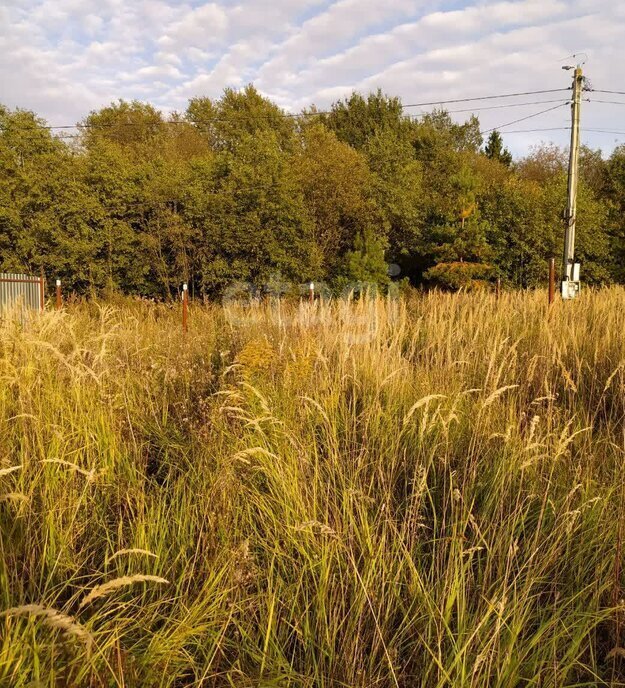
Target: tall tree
x=237 y=114
x=247 y=208
x=338 y=194
x=398 y=190
x=495 y=149
x=356 y=119
x=615 y=197
x=133 y=125
x=49 y=217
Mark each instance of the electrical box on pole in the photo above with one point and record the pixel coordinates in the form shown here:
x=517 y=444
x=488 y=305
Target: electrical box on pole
x=570 y=269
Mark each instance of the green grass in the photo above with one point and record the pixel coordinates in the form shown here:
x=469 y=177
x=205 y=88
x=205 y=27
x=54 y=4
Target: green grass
x=423 y=492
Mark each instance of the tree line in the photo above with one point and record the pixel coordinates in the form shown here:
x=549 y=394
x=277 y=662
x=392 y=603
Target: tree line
x=235 y=189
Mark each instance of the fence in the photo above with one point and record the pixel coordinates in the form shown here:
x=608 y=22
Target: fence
x=21 y=289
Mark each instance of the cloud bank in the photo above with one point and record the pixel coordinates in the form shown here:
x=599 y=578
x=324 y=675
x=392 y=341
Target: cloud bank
x=63 y=58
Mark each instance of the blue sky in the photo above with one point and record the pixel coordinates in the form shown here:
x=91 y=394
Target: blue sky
x=63 y=58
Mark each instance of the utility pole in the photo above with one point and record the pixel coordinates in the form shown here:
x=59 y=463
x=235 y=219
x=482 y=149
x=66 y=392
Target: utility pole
x=570 y=270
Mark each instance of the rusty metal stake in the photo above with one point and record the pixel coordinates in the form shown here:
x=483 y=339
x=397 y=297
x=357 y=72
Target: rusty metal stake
x=59 y=299
x=552 y=280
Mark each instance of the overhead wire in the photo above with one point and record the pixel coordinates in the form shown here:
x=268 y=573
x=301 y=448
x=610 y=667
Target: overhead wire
x=527 y=131
x=603 y=131
x=496 y=107
x=606 y=102
x=583 y=131
x=522 y=119
x=312 y=113
x=451 y=112
x=558 y=102
x=615 y=93
x=476 y=98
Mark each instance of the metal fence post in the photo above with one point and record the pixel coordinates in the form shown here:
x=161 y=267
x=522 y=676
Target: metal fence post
x=59 y=299
x=185 y=307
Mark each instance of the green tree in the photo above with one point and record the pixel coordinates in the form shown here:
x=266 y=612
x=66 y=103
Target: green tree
x=49 y=217
x=237 y=189
x=338 y=194
x=437 y=129
x=495 y=149
x=521 y=234
x=136 y=127
x=238 y=114
x=542 y=163
x=399 y=193
x=366 y=262
x=356 y=119
x=614 y=196
x=247 y=209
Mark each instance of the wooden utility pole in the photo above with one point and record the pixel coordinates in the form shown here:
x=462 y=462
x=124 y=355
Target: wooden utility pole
x=568 y=261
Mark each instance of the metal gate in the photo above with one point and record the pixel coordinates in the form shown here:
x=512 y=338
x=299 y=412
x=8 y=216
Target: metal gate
x=24 y=290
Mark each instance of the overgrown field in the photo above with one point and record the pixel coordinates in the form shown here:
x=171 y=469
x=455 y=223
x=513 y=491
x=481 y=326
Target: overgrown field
x=423 y=492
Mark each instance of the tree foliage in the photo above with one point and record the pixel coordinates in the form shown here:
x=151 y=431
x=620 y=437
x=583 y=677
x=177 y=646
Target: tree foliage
x=495 y=150
x=235 y=189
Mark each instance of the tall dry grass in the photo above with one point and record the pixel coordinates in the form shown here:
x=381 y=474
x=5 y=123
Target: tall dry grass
x=423 y=492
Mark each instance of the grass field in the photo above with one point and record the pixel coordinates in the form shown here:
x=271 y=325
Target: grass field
x=418 y=492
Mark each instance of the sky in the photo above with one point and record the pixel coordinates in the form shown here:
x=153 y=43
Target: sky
x=64 y=58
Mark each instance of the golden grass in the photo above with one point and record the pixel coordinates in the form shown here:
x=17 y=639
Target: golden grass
x=117 y=583
x=131 y=550
x=53 y=619
x=9 y=470
x=425 y=491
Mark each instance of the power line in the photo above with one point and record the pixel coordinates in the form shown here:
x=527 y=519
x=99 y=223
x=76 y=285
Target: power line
x=279 y=114
x=491 y=107
x=542 y=129
x=604 y=131
x=615 y=93
x=509 y=131
x=528 y=131
x=457 y=100
x=505 y=95
x=497 y=107
x=607 y=102
x=522 y=119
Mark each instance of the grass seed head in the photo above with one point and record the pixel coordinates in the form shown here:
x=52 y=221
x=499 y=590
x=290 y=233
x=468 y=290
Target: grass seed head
x=53 y=619
x=122 y=582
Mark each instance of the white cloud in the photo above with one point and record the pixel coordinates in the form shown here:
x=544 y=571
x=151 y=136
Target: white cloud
x=202 y=27
x=65 y=57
